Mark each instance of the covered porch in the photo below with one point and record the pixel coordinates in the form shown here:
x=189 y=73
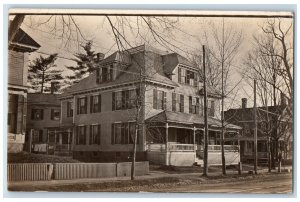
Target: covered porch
x=60 y=141
x=177 y=139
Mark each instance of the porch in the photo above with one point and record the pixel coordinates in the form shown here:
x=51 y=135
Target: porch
x=174 y=141
x=59 y=141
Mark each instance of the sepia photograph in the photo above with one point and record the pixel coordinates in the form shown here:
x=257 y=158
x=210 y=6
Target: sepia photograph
x=158 y=101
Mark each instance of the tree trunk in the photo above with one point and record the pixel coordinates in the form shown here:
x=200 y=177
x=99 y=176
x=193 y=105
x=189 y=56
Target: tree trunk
x=134 y=152
x=43 y=78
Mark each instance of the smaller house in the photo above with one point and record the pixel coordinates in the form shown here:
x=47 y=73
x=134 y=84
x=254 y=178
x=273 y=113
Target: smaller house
x=274 y=134
x=43 y=112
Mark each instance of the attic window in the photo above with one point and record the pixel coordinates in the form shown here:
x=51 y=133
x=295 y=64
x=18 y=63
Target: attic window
x=105 y=74
x=188 y=77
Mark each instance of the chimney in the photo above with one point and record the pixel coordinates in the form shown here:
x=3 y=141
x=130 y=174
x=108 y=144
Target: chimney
x=244 y=103
x=52 y=88
x=100 y=56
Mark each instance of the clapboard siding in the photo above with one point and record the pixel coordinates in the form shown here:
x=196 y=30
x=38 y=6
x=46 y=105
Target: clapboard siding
x=16 y=68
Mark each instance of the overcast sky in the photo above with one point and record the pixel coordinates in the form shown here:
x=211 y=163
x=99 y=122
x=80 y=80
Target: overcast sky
x=187 y=38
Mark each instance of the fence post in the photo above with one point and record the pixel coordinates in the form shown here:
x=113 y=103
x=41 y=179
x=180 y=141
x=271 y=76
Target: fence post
x=50 y=171
x=240 y=168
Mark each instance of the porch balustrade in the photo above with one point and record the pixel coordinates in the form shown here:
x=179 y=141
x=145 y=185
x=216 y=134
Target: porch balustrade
x=228 y=148
x=171 y=147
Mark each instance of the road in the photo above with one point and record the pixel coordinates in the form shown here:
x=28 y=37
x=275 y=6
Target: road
x=272 y=185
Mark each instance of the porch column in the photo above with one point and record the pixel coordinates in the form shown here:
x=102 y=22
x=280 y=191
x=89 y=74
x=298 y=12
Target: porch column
x=68 y=139
x=167 y=145
x=60 y=137
x=194 y=137
x=47 y=147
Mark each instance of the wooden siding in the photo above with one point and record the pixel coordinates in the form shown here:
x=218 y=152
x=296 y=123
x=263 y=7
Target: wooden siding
x=16 y=68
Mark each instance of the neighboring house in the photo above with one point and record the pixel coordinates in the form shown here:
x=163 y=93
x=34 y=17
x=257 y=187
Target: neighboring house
x=274 y=131
x=18 y=51
x=100 y=110
x=43 y=112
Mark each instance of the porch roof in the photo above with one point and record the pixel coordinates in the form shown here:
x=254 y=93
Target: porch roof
x=191 y=119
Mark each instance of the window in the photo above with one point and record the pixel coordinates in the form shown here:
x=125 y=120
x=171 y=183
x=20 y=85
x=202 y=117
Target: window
x=125 y=99
x=123 y=133
x=187 y=77
x=194 y=105
x=177 y=102
x=55 y=114
x=12 y=113
x=37 y=114
x=70 y=108
x=37 y=136
x=95 y=104
x=81 y=135
x=159 y=99
x=95 y=134
x=211 y=108
x=82 y=105
x=105 y=74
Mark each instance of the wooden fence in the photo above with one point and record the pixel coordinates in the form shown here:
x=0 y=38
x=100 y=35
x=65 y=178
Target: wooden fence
x=69 y=171
x=29 y=171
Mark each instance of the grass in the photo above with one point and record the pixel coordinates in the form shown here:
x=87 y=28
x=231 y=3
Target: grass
x=25 y=157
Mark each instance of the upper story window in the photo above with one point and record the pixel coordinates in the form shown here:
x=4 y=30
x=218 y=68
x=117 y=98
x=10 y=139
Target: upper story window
x=211 y=108
x=95 y=134
x=82 y=105
x=159 y=99
x=123 y=133
x=194 y=105
x=95 y=103
x=188 y=77
x=37 y=114
x=177 y=102
x=105 y=74
x=81 y=135
x=70 y=109
x=55 y=114
x=125 y=99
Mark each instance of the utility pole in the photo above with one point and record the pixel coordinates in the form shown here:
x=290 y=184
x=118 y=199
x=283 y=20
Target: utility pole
x=255 y=130
x=222 y=112
x=205 y=160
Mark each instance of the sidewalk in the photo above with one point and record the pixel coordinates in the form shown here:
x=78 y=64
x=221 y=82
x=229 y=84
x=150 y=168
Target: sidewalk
x=151 y=175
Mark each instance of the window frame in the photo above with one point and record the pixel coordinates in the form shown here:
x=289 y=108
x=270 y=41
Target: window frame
x=34 y=115
x=95 y=138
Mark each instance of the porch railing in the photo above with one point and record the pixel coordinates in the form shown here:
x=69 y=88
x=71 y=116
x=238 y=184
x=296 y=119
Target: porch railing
x=234 y=148
x=171 y=147
x=62 y=147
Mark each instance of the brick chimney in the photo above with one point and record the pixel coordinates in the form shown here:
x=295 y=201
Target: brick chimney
x=100 y=56
x=52 y=88
x=244 y=103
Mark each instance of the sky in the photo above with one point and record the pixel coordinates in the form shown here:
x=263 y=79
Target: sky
x=186 y=37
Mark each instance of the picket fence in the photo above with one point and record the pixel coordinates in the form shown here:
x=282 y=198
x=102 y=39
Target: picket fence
x=69 y=171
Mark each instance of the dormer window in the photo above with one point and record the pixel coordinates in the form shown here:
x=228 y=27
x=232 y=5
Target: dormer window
x=188 y=77
x=105 y=74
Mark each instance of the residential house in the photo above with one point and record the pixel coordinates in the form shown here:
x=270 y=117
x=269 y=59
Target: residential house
x=21 y=45
x=43 y=112
x=101 y=112
x=274 y=132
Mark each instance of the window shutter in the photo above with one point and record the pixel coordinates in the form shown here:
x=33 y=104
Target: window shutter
x=113 y=101
x=190 y=104
x=164 y=100
x=97 y=76
x=99 y=134
x=212 y=108
x=91 y=104
x=85 y=102
x=42 y=114
x=99 y=103
x=32 y=114
x=196 y=79
x=78 y=106
x=197 y=106
x=124 y=100
x=181 y=103
x=68 y=109
x=173 y=102
x=179 y=75
x=52 y=114
x=91 y=134
x=154 y=98
x=112 y=134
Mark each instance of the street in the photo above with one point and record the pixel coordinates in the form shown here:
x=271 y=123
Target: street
x=269 y=185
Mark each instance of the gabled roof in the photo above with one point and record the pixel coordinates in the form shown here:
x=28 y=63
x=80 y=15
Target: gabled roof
x=24 y=42
x=172 y=60
x=42 y=99
x=184 y=118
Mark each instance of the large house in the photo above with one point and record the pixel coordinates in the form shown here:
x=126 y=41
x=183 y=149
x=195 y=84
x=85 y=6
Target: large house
x=274 y=131
x=19 y=48
x=100 y=111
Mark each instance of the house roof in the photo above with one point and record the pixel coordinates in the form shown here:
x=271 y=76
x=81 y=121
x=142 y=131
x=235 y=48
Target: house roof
x=171 y=61
x=24 y=42
x=42 y=99
x=184 y=118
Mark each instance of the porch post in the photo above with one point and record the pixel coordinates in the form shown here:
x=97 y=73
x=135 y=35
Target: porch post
x=68 y=139
x=47 y=141
x=194 y=137
x=167 y=145
x=60 y=137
